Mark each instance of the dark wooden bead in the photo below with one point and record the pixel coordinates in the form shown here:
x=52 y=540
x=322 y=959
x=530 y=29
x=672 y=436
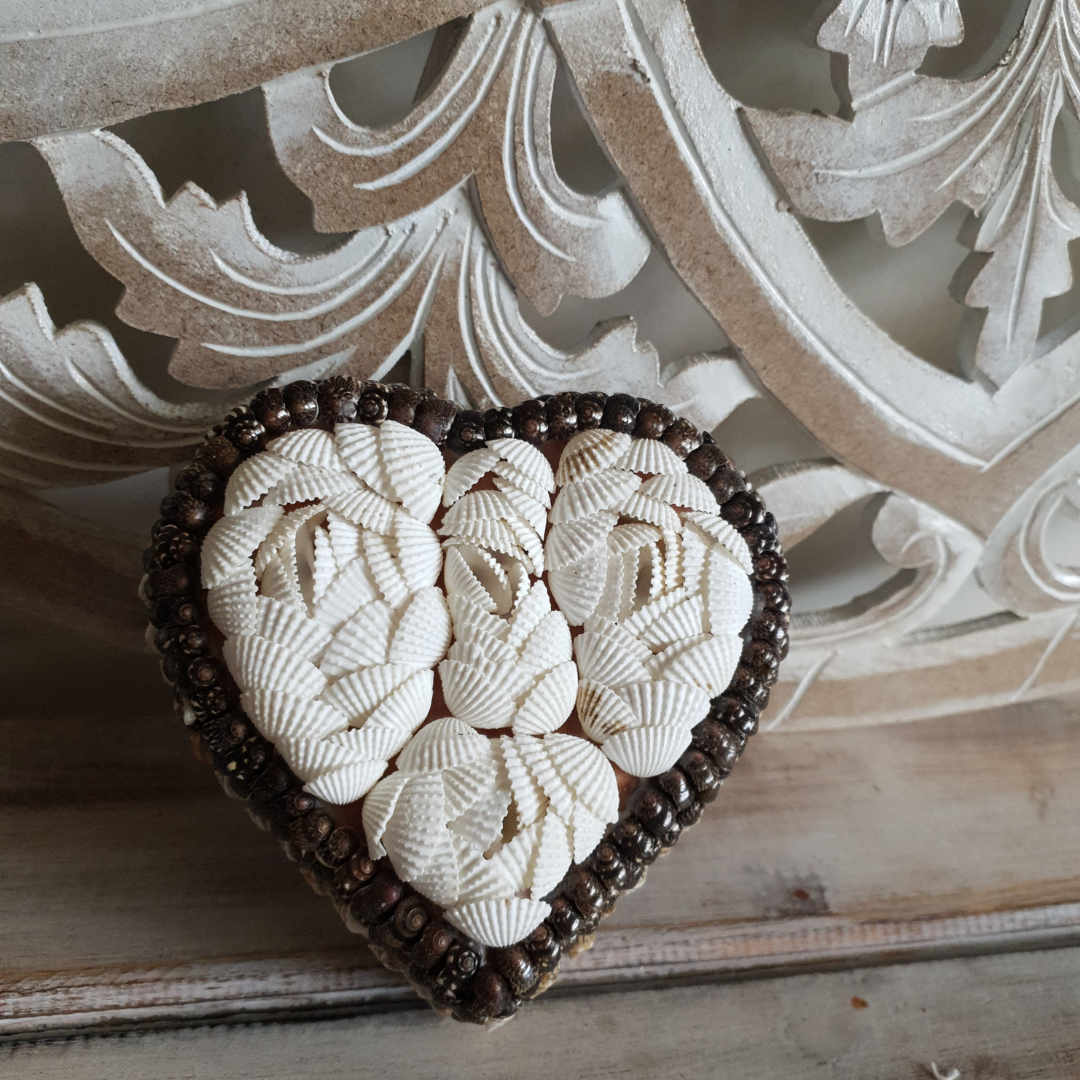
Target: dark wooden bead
x=272 y=784
x=772 y=596
x=516 y=967
x=678 y=787
x=435 y=419
x=490 y=998
x=635 y=841
x=191 y=641
x=743 y=509
x=338 y=397
x=246 y=434
x=762 y=660
x=353 y=876
x=410 y=918
x=736 y=714
x=174 y=581
x=652 y=420
x=703 y=774
x=173 y=612
x=298 y=804
x=224 y=733
x=681 y=437
x=372 y=406
x=432 y=946
x=269 y=408
x=170 y=669
x=620 y=413
x=185 y=512
x=463 y=960
x=199 y=482
x=401 y=404
x=691 y=814
x=760 y=538
x=498 y=424
x=770 y=566
x=183 y=547
x=585 y=891
x=208 y=703
x=657 y=813
x=530 y=421
x=543 y=948
x=218 y=455
x=339 y=847
x=590 y=411
x=705 y=460
x=561 y=413
x=726 y=483
x=467 y=433
x=202 y=671
x=718 y=741
x=377 y=899
x=244 y=764
x=749 y=687
x=302 y=401
x=611 y=867
x=769 y=625
x=308 y=832
x=565 y=921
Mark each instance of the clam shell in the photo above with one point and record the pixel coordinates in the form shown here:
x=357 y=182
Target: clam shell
x=650 y=456
x=474 y=576
x=681 y=490
x=357 y=696
x=372 y=743
x=326 y=568
x=492 y=647
x=362 y=642
x=418 y=551
x=467 y=471
x=279 y=583
x=468 y=619
x=549 y=703
x=385 y=569
x=632 y=536
x=482 y=692
x=466 y=785
x=498 y=923
x=549 y=644
x=656 y=664
x=309 y=758
x=416 y=827
x=637 y=649
x=586 y=831
x=442 y=744
x=482 y=823
x=512 y=477
x=358 y=445
x=577 y=589
x=602 y=712
x=648 y=751
x=258 y=664
x=344 y=538
x=709 y=664
x=609 y=606
x=253 y=478
x=646 y=615
x=657 y=703
x=605 y=660
x=650 y=510
x=347 y=784
x=529 y=798
x=530 y=508
x=439 y=881
x=423 y=631
x=231 y=605
x=414 y=466
x=573 y=541
x=365 y=507
x=729 y=596
x=543 y=770
x=309 y=482
x=601 y=491
x=281 y=540
x=530 y=610
x=475 y=506
x=553 y=855
x=695 y=554
x=726 y=535
x=684 y=620
x=515 y=859
x=291 y=629
x=587 y=774
x=229 y=544
x=489 y=533
x=591 y=452
x=311 y=446
x=378 y=809
x=529 y=541
x=479 y=879
x=406 y=707
x=281 y=715
x=353 y=588
x=530 y=461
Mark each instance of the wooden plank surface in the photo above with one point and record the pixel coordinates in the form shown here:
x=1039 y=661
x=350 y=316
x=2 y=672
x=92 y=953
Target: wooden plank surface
x=132 y=892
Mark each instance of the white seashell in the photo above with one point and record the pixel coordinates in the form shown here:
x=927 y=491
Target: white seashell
x=439 y=880
x=650 y=583
x=312 y=446
x=385 y=569
x=281 y=715
x=600 y=491
x=498 y=923
x=602 y=712
x=695 y=554
x=491 y=534
x=253 y=478
x=547 y=706
x=479 y=878
x=530 y=610
x=650 y=456
x=344 y=538
x=587 y=774
x=414 y=466
x=467 y=616
x=646 y=615
x=577 y=589
x=406 y=707
x=467 y=471
x=347 y=784
x=482 y=692
x=365 y=507
x=549 y=644
x=470 y=574
x=326 y=568
x=586 y=831
x=442 y=744
x=653 y=511
x=231 y=605
x=632 y=536
x=482 y=823
x=529 y=798
x=656 y=664
x=353 y=588
x=309 y=758
x=530 y=461
x=512 y=477
x=681 y=490
x=279 y=584
x=475 y=506
x=709 y=664
x=637 y=649
x=726 y=535
x=284 y=540
x=647 y=751
x=491 y=647
x=362 y=642
x=590 y=452
x=306 y=482
x=530 y=508
x=685 y=620
x=529 y=541
x=605 y=660
x=418 y=551
x=423 y=631
x=229 y=544
x=553 y=855
x=357 y=696
x=609 y=606
x=673 y=561
x=358 y=445
x=657 y=703
x=573 y=541
x=372 y=743
x=515 y=859
x=466 y=785
x=378 y=809
x=291 y=629
x=258 y=664
x=729 y=596
x=543 y=770
x=416 y=827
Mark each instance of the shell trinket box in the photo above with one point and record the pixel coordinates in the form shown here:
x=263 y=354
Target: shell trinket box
x=476 y=671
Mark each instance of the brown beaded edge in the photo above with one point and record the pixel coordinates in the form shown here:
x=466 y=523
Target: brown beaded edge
x=406 y=930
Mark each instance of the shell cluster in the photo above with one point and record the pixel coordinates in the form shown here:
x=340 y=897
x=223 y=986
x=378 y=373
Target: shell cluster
x=340 y=603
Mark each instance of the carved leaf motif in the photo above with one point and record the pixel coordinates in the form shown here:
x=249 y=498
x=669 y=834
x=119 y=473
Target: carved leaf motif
x=72 y=411
x=918 y=143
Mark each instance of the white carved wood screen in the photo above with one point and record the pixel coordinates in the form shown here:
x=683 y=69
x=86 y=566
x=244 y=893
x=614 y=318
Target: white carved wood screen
x=459 y=240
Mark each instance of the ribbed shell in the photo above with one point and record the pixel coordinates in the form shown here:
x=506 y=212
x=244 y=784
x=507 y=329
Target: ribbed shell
x=657 y=703
x=278 y=714
x=681 y=490
x=482 y=824
x=650 y=510
x=726 y=535
x=229 y=544
x=414 y=467
x=709 y=665
x=489 y=533
x=465 y=785
x=632 y=536
x=514 y=477
x=600 y=491
x=605 y=660
x=590 y=452
x=553 y=855
x=527 y=616
x=475 y=506
x=291 y=629
x=685 y=620
x=344 y=538
x=650 y=456
x=378 y=809
x=309 y=482
x=647 y=751
x=406 y=707
x=359 y=694
x=531 y=509
x=499 y=923
x=347 y=784
x=482 y=692
x=231 y=605
x=547 y=706
x=549 y=644
x=527 y=459
x=358 y=445
x=729 y=596
x=258 y=664
x=547 y=776
x=365 y=507
x=529 y=797
x=586 y=831
x=515 y=859
x=423 y=631
x=442 y=744
x=586 y=772
x=363 y=641
x=379 y=554
x=312 y=446
x=479 y=879
x=418 y=551
x=573 y=541
x=474 y=576
x=439 y=879
x=353 y=588
x=416 y=827
x=577 y=589
x=602 y=712
x=371 y=743
x=467 y=471
x=253 y=478
x=467 y=617
x=309 y=758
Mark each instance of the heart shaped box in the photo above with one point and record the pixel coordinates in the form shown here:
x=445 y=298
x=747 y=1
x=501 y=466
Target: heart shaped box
x=408 y=931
